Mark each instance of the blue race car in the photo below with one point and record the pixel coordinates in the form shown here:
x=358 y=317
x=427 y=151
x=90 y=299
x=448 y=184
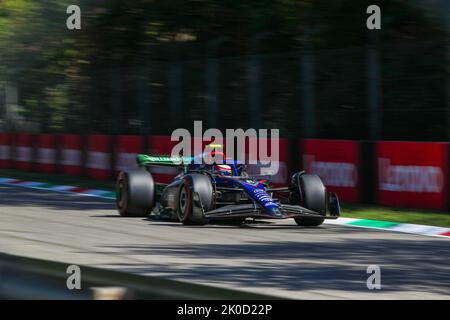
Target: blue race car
x=201 y=193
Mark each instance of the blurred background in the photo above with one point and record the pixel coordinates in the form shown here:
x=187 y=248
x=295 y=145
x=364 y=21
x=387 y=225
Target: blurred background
x=77 y=105
x=310 y=68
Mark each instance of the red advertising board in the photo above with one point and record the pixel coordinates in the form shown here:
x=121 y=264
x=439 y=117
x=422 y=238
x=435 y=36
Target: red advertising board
x=127 y=147
x=23 y=151
x=71 y=154
x=45 y=153
x=412 y=174
x=267 y=157
x=5 y=150
x=337 y=163
x=98 y=162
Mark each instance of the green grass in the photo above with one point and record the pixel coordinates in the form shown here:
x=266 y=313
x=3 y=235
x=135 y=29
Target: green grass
x=416 y=216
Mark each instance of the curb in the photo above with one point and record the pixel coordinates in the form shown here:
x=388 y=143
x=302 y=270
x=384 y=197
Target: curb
x=393 y=226
x=350 y=222
x=59 y=188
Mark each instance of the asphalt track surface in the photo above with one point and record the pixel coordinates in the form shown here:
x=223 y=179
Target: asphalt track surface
x=279 y=259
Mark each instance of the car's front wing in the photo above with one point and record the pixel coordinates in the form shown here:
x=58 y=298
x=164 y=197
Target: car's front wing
x=253 y=211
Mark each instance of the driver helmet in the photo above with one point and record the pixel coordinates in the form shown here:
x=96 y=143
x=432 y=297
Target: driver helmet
x=223 y=169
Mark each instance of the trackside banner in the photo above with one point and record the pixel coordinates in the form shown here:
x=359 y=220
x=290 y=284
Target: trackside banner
x=337 y=163
x=46 y=153
x=162 y=145
x=99 y=157
x=280 y=177
x=126 y=149
x=5 y=150
x=23 y=151
x=71 y=154
x=412 y=174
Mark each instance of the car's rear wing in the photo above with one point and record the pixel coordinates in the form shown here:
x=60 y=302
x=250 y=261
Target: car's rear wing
x=144 y=160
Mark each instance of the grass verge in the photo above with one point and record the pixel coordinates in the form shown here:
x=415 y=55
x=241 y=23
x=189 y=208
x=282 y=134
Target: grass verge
x=415 y=216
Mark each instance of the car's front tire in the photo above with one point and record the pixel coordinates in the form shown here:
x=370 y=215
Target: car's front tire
x=135 y=193
x=310 y=193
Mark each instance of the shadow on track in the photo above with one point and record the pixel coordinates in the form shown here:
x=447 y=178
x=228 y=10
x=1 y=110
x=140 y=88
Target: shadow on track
x=24 y=197
x=406 y=265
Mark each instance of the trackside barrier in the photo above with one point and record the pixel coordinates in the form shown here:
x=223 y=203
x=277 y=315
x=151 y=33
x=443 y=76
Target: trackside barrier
x=264 y=153
x=159 y=145
x=367 y=172
x=164 y=145
x=126 y=148
x=23 y=151
x=71 y=154
x=412 y=174
x=5 y=150
x=46 y=153
x=391 y=173
x=337 y=163
x=29 y=278
x=98 y=163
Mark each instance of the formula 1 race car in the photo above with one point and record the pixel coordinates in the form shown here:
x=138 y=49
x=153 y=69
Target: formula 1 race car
x=201 y=193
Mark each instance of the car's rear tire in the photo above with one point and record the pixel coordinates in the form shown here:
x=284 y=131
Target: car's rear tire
x=311 y=194
x=194 y=183
x=135 y=193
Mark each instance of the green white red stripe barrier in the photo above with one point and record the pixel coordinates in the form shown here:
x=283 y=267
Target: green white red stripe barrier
x=351 y=222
